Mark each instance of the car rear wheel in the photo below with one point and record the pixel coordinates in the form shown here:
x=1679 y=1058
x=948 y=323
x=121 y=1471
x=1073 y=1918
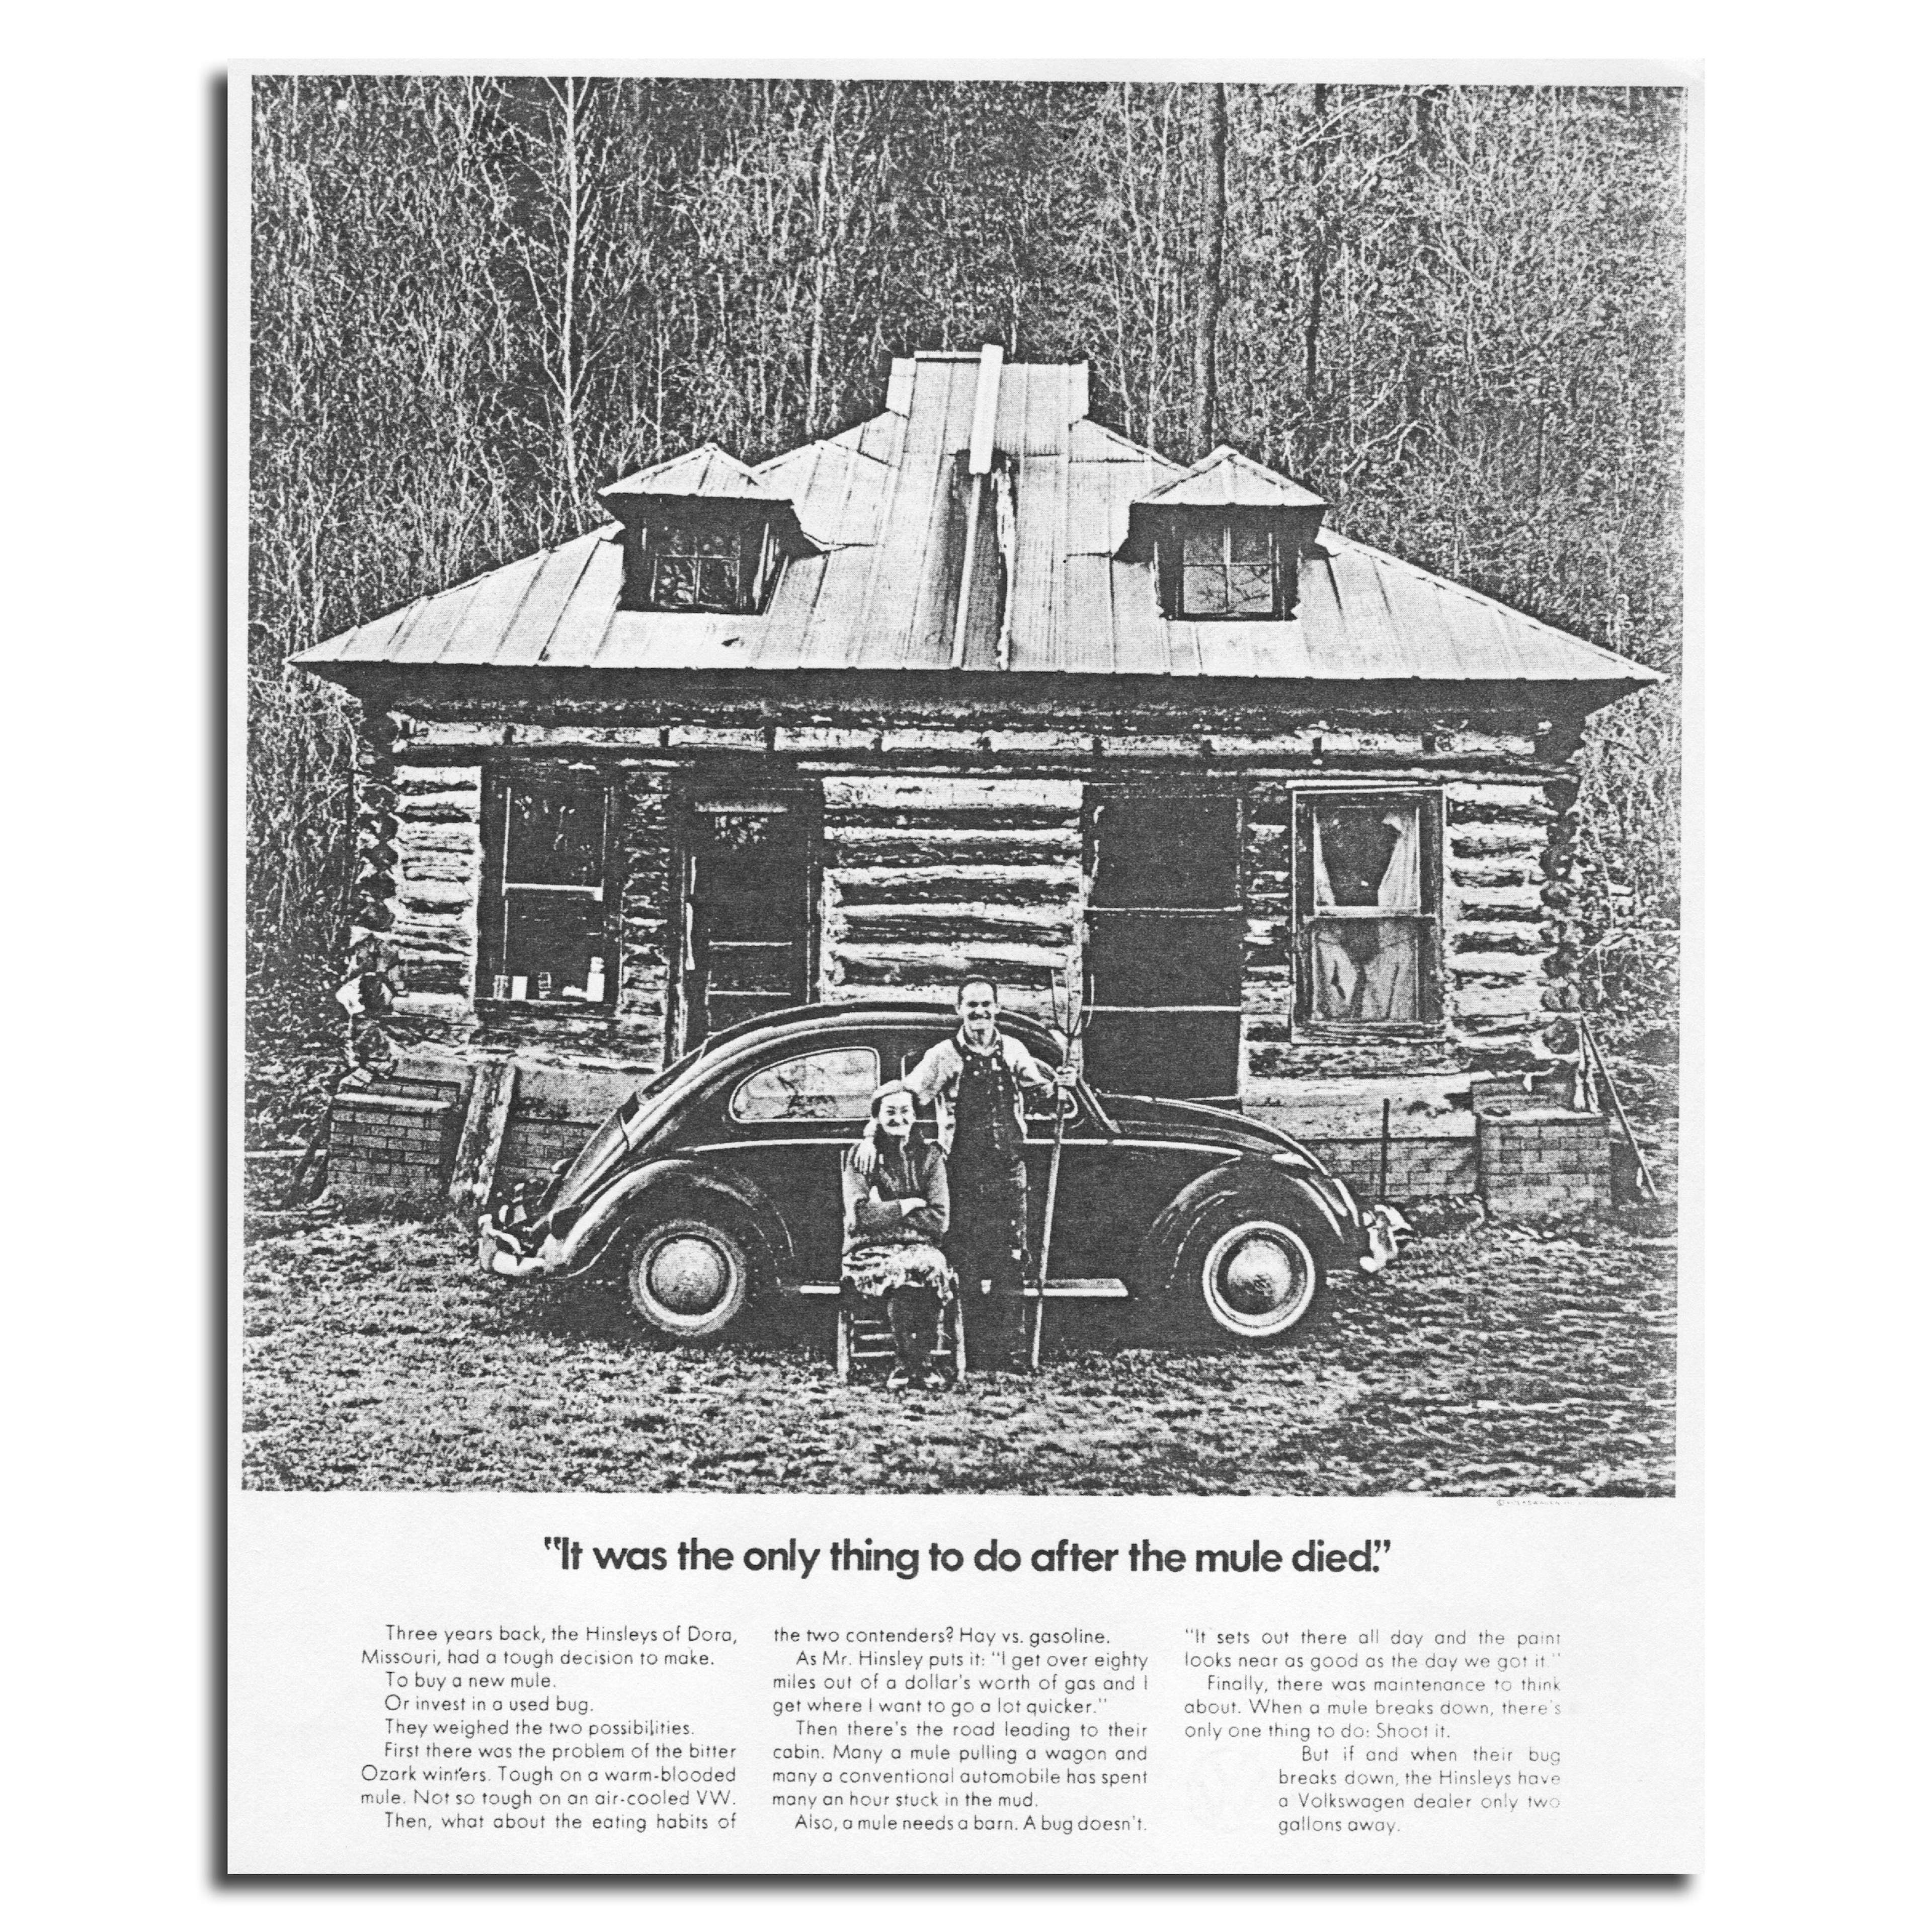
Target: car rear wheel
x=691 y=1278
x=1250 y=1275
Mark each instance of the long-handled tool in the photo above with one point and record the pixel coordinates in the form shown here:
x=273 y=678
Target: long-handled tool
x=1646 y=1185
x=1070 y=1022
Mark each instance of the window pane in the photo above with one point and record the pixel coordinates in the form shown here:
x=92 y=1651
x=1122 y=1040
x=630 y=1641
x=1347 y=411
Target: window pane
x=1367 y=969
x=1204 y=593
x=1368 y=852
x=1202 y=544
x=555 y=837
x=836 y=1085
x=1250 y=590
x=1250 y=544
x=675 y=585
x=559 y=934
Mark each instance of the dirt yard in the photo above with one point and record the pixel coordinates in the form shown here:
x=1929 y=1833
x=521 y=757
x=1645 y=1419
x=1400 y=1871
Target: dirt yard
x=1493 y=1361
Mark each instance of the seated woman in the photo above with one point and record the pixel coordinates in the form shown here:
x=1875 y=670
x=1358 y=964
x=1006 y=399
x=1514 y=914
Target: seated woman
x=896 y=1216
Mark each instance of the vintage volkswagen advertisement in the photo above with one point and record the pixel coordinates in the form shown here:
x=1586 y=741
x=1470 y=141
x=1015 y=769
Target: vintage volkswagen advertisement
x=958 y=1151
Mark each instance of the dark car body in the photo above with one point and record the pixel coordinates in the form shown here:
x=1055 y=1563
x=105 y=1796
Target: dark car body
x=748 y=1133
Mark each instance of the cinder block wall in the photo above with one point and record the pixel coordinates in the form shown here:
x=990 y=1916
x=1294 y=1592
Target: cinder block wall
x=1534 y=1165
x=393 y=1146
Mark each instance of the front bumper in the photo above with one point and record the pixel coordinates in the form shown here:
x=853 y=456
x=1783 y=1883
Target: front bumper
x=1384 y=1229
x=500 y=1251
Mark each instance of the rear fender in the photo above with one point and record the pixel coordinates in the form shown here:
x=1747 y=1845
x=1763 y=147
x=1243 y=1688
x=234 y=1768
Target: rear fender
x=1264 y=1187
x=634 y=1198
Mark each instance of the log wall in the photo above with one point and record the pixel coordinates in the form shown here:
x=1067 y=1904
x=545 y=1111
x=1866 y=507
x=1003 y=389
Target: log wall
x=923 y=879
x=438 y=881
x=950 y=845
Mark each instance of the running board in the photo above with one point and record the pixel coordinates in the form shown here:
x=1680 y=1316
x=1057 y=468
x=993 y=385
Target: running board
x=1075 y=1288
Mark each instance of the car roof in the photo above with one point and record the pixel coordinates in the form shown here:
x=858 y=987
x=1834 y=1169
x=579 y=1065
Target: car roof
x=825 y=1015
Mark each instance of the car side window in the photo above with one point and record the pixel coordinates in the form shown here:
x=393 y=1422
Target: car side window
x=836 y=1084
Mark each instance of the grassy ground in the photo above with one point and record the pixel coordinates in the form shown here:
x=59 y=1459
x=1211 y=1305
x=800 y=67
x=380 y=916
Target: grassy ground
x=1493 y=1361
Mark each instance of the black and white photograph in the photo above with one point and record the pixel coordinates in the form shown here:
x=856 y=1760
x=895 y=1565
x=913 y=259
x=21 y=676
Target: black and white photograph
x=962 y=786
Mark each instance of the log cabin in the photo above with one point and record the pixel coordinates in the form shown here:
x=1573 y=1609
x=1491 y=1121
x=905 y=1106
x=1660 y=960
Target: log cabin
x=979 y=685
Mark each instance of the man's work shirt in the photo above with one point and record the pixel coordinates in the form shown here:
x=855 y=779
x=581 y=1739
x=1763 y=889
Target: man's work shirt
x=937 y=1078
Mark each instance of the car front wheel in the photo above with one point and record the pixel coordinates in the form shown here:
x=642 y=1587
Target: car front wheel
x=691 y=1278
x=1250 y=1275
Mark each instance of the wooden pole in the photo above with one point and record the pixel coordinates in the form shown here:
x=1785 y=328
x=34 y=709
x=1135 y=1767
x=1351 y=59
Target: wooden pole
x=1382 y=1192
x=1589 y=1039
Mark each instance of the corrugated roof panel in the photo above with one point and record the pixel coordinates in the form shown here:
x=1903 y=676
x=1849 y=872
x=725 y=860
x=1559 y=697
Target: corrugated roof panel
x=529 y=631
x=1084 y=637
x=585 y=618
x=1048 y=411
x=1090 y=442
x=1140 y=631
x=1016 y=385
x=1090 y=507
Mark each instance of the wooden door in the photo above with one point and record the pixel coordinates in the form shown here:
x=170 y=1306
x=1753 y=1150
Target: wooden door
x=1164 y=946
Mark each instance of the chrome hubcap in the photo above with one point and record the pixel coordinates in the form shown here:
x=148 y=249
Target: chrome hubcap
x=688 y=1275
x=1258 y=1279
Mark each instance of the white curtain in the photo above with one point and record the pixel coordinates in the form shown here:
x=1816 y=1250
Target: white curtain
x=1400 y=887
x=1368 y=969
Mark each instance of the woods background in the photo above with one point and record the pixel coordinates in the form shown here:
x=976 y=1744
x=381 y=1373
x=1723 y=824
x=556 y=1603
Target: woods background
x=1457 y=312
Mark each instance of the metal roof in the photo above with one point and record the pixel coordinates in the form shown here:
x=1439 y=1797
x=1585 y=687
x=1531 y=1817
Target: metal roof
x=878 y=500
x=706 y=471
x=1225 y=479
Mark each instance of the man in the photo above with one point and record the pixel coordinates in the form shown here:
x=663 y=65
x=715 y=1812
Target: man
x=977 y=1081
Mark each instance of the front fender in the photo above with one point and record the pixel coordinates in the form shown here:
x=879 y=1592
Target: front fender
x=627 y=1201
x=1266 y=1186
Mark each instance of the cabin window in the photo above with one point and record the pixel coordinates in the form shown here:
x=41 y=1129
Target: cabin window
x=730 y=566
x=1213 y=568
x=546 y=926
x=1368 y=893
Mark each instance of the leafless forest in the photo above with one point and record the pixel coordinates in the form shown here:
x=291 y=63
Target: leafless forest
x=1457 y=312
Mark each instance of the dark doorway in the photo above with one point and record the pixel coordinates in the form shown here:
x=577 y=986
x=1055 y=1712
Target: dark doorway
x=746 y=909
x=1164 y=946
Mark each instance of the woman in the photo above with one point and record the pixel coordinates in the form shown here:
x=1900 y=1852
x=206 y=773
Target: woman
x=896 y=1216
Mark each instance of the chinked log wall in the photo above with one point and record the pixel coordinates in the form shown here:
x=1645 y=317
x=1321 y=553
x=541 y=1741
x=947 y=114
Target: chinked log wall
x=925 y=879
x=928 y=871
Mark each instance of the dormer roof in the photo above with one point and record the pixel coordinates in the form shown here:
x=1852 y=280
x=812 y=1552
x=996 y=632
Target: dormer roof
x=1225 y=479
x=707 y=473
x=875 y=593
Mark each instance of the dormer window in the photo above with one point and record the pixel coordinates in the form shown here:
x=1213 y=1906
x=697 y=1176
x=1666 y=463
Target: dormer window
x=691 y=563
x=1226 y=537
x=702 y=535
x=1212 y=568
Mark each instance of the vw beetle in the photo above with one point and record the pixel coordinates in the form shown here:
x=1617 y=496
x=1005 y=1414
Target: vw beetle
x=717 y=1183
